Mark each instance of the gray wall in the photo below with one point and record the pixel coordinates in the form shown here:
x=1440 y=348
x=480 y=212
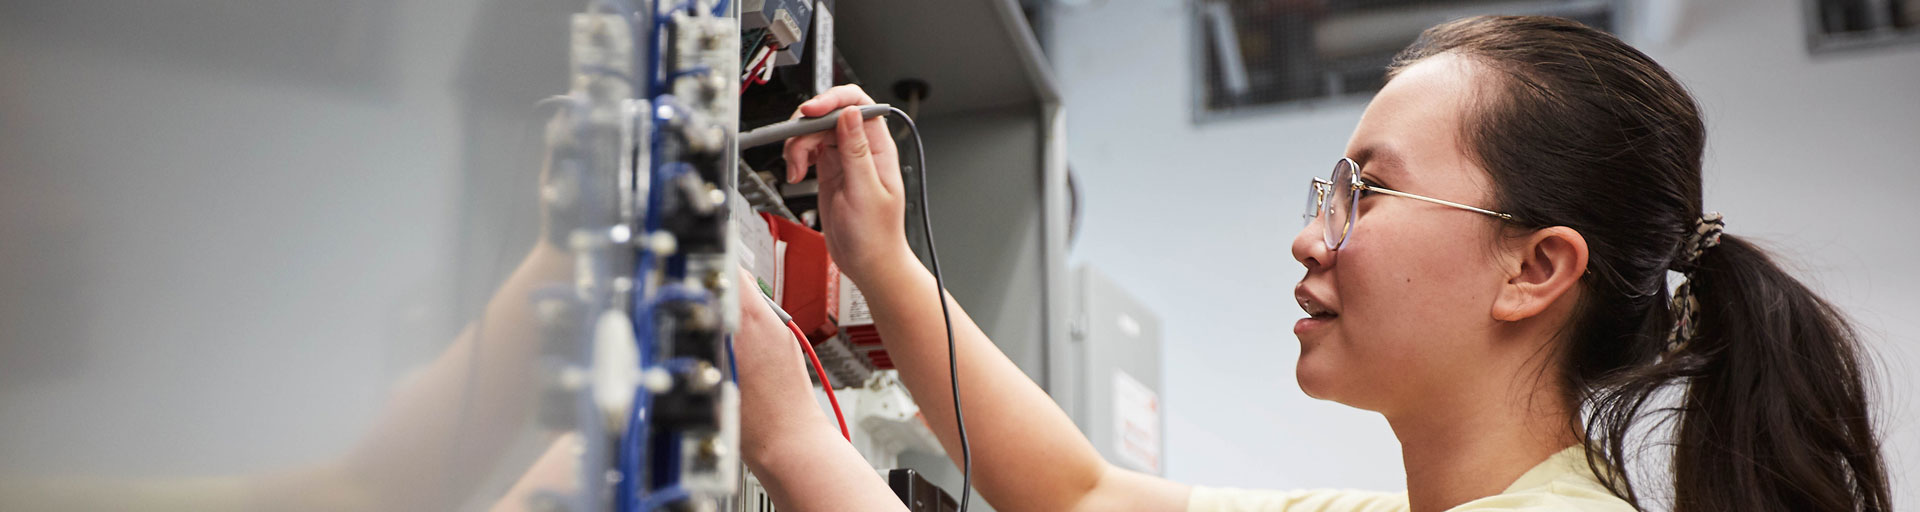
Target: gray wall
x=230 y=232
x=1815 y=155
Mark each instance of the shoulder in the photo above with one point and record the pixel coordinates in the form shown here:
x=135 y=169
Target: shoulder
x=1222 y=499
x=1562 y=483
x=1573 y=500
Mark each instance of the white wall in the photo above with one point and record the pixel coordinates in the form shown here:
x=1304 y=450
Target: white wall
x=1815 y=155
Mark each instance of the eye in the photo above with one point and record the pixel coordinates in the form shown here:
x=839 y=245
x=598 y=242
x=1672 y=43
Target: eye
x=1367 y=186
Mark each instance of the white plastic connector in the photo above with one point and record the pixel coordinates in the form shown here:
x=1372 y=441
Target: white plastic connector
x=785 y=29
x=662 y=243
x=616 y=368
x=656 y=380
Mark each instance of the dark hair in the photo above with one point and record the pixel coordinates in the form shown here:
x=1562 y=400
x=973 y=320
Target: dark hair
x=1578 y=129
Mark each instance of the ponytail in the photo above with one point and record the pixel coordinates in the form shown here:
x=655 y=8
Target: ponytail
x=1775 y=413
x=1775 y=416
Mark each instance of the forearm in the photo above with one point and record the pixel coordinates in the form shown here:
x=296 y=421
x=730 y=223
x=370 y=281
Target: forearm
x=478 y=391
x=785 y=439
x=1027 y=453
x=814 y=469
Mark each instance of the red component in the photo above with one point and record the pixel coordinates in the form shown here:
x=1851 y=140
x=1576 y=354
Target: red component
x=828 y=310
x=807 y=271
x=863 y=335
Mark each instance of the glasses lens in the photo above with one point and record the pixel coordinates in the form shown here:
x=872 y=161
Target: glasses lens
x=1339 y=204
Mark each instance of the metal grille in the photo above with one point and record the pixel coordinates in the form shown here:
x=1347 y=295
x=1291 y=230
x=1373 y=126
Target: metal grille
x=1262 y=53
x=1841 y=25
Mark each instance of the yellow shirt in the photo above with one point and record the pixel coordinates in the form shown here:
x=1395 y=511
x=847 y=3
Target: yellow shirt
x=1562 y=482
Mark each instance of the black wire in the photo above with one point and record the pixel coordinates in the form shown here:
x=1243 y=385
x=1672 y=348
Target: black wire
x=933 y=257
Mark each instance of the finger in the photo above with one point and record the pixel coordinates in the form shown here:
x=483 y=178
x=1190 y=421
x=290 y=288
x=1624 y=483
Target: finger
x=829 y=158
x=800 y=153
x=826 y=165
x=829 y=187
x=828 y=204
x=856 y=156
x=839 y=96
x=886 y=154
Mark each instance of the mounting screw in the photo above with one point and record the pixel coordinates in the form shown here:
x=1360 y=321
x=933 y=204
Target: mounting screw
x=911 y=89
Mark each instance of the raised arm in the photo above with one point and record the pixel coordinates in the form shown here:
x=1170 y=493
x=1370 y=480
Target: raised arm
x=1027 y=453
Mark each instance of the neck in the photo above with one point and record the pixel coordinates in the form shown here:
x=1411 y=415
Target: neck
x=1478 y=446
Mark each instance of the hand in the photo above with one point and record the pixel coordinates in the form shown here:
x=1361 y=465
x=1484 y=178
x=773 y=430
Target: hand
x=862 y=202
x=776 y=396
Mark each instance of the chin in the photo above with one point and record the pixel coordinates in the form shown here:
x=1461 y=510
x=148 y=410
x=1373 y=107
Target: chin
x=1310 y=377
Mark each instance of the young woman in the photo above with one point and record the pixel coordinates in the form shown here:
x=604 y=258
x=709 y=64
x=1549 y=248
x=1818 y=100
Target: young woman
x=1487 y=269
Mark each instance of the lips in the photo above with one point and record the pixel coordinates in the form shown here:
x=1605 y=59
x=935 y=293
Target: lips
x=1319 y=314
x=1312 y=304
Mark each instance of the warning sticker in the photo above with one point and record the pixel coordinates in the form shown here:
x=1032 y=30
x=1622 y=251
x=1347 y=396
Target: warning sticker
x=1136 y=423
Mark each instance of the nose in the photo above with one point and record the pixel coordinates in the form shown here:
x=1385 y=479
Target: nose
x=1310 y=246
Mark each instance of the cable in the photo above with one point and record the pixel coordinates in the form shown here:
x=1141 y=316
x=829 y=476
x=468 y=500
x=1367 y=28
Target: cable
x=664 y=497
x=760 y=69
x=807 y=347
x=933 y=257
x=733 y=368
x=632 y=445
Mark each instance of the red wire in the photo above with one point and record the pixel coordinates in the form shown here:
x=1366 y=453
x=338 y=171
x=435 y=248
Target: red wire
x=749 y=79
x=808 y=348
x=753 y=74
x=772 y=53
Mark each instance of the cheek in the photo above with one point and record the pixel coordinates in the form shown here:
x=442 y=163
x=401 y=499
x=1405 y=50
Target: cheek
x=1412 y=278
x=1412 y=295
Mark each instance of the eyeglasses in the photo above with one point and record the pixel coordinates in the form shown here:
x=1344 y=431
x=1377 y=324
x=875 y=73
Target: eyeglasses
x=1340 y=196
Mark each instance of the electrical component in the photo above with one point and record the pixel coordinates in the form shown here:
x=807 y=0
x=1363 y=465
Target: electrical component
x=805 y=269
x=918 y=494
x=684 y=448
x=756 y=248
x=640 y=177
x=822 y=53
x=857 y=329
x=787 y=21
x=828 y=309
x=940 y=287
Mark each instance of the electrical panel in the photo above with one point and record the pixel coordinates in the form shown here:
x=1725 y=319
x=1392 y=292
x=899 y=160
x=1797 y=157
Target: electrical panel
x=650 y=194
x=641 y=173
x=646 y=191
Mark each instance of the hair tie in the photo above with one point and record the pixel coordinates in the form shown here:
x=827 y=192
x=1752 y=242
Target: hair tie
x=1685 y=307
x=1706 y=234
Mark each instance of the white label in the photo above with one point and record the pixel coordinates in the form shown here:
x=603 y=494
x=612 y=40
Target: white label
x=757 y=250
x=1136 y=423
x=822 y=49
x=853 y=304
x=780 y=270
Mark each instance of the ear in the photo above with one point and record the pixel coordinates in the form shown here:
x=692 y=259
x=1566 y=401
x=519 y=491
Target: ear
x=1550 y=263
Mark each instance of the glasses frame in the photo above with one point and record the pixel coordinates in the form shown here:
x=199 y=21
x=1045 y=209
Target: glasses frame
x=1322 y=189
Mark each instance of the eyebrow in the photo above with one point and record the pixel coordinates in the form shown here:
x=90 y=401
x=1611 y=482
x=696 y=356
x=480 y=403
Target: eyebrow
x=1377 y=159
